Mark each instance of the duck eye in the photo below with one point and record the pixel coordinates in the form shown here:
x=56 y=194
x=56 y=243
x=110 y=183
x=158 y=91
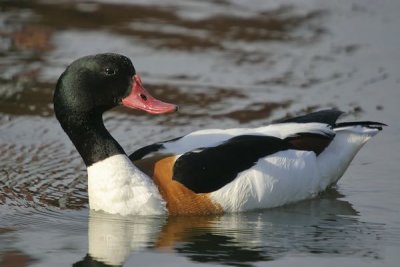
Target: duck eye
x=109 y=71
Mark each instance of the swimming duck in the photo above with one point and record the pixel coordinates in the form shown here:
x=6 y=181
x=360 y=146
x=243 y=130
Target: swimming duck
x=205 y=172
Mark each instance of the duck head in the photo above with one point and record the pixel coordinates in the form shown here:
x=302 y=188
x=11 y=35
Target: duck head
x=95 y=84
x=92 y=85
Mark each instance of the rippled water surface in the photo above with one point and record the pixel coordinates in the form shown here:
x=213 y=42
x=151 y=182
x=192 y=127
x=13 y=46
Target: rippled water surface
x=227 y=63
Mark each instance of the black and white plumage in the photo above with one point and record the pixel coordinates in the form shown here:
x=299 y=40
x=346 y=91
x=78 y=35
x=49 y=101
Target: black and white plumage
x=252 y=168
x=207 y=171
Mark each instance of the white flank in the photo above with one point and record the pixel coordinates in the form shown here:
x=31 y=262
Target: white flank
x=291 y=175
x=116 y=186
x=276 y=180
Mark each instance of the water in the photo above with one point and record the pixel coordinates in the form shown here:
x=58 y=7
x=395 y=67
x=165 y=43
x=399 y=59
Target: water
x=227 y=64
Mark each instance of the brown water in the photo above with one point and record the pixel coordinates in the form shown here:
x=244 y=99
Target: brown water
x=227 y=63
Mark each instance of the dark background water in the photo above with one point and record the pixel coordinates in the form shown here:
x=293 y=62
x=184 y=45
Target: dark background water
x=227 y=63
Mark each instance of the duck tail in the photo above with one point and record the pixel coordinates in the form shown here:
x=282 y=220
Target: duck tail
x=367 y=124
x=362 y=127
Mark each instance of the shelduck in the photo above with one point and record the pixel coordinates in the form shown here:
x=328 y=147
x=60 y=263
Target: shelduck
x=205 y=172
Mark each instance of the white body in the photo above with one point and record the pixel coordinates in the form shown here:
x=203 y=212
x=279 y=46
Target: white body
x=117 y=186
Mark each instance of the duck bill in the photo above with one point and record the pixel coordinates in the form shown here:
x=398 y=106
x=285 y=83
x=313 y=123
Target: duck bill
x=139 y=98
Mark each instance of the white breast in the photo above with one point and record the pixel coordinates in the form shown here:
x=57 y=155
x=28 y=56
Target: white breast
x=276 y=180
x=116 y=186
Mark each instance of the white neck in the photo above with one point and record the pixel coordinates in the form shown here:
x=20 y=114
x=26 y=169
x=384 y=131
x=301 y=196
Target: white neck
x=116 y=186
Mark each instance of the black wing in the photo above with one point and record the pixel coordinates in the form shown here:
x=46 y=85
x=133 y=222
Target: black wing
x=324 y=116
x=207 y=170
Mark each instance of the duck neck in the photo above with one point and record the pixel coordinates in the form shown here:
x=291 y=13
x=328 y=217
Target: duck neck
x=91 y=138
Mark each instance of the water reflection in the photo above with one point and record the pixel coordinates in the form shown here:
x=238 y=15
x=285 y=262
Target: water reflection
x=326 y=225
x=211 y=53
x=164 y=25
x=228 y=64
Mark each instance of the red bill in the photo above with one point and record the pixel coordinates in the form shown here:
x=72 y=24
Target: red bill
x=139 y=98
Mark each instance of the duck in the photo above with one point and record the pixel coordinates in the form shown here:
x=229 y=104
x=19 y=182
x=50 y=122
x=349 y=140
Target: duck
x=209 y=171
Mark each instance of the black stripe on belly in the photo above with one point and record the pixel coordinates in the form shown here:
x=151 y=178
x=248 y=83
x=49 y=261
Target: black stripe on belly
x=207 y=170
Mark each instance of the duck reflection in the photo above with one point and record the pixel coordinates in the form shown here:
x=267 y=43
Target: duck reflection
x=113 y=238
x=325 y=225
